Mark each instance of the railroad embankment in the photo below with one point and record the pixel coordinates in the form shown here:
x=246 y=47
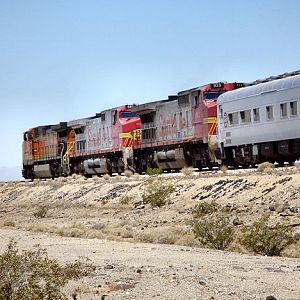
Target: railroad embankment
x=141 y=232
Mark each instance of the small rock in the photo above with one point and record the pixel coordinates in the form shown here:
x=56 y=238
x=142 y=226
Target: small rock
x=108 y=267
x=202 y=282
x=270 y=298
x=273 y=206
x=236 y=221
x=139 y=271
x=141 y=206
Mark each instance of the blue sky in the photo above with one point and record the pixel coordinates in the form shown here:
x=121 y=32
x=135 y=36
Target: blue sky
x=62 y=60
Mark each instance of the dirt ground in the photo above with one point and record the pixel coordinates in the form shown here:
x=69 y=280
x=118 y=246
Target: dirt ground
x=105 y=220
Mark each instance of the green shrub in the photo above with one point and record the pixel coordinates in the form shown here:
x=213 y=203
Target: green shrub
x=157 y=192
x=265 y=167
x=41 y=212
x=205 y=208
x=262 y=239
x=32 y=275
x=154 y=171
x=216 y=232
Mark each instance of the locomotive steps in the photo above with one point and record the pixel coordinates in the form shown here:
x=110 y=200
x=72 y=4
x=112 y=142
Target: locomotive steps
x=104 y=214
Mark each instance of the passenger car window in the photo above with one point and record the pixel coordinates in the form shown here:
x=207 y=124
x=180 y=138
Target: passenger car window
x=256 y=115
x=245 y=116
x=233 y=118
x=269 y=110
x=283 y=110
x=293 y=108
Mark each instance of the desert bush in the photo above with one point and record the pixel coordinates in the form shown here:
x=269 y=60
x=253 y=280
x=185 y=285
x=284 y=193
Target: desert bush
x=32 y=275
x=292 y=250
x=265 y=167
x=297 y=164
x=154 y=171
x=224 y=169
x=41 y=212
x=187 y=171
x=128 y=173
x=8 y=223
x=157 y=192
x=262 y=239
x=215 y=232
x=106 y=177
x=205 y=208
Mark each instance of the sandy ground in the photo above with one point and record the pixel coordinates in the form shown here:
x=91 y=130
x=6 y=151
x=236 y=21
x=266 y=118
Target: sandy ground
x=126 y=268
x=147 y=271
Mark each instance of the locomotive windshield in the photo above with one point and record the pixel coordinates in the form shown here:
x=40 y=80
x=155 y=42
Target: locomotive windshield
x=212 y=95
x=128 y=114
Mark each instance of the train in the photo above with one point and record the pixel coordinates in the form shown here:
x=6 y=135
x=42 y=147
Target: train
x=237 y=124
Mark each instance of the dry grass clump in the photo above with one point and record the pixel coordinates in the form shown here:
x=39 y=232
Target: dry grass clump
x=187 y=171
x=40 y=212
x=178 y=235
x=106 y=177
x=126 y=199
x=224 y=169
x=32 y=274
x=128 y=173
x=8 y=223
x=265 y=167
x=73 y=230
x=292 y=250
x=61 y=179
x=297 y=165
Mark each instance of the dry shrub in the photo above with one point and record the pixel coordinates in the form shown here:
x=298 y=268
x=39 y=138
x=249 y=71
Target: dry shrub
x=128 y=173
x=265 y=167
x=40 y=212
x=157 y=192
x=292 y=250
x=145 y=237
x=224 y=169
x=262 y=239
x=79 y=231
x=126 y=199
x=106 y=177
x=72 y=230
x=96 y=178
x=166 y=235
x=33 y=275
x=188 y=239
x=187 y=171
x=297 y=165
x=214 y=232
x=8 y=223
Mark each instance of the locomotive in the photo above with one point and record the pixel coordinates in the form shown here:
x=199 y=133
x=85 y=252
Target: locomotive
x=217 y=123
x=94 y=145
x=172 y=133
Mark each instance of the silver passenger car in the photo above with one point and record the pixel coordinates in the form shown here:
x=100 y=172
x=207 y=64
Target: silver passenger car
x=261 y=122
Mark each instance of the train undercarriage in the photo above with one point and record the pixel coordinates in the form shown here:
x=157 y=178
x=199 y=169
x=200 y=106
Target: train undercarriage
x=281 y=152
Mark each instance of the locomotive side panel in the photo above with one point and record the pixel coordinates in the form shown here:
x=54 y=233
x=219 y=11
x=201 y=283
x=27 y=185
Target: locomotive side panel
x=173 y=123
x=98 y=133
